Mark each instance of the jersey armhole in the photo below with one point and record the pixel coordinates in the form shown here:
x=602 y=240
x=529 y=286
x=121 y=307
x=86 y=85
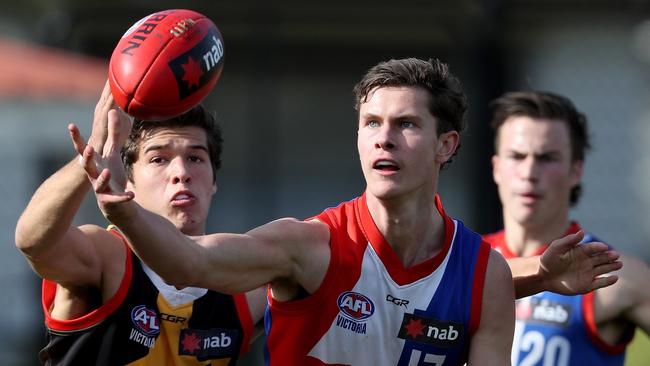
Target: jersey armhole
x=592 y=328
x=312 y=301
x=246 y=321
x=48 y=292
x=477 y=286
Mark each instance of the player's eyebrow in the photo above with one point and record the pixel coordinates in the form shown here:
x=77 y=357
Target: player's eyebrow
x=166 y=146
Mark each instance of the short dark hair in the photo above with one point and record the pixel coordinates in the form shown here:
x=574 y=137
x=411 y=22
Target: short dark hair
x=448 y=102
x=547 y=105
x=196 y=116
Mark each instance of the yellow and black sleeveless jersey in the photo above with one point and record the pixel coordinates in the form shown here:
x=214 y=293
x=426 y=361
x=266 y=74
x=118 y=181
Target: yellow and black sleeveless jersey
x=141 y=325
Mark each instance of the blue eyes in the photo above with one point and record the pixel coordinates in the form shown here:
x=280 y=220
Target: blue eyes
x=402 y=124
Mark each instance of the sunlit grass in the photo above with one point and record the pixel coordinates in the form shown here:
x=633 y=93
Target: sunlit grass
x=638 y=354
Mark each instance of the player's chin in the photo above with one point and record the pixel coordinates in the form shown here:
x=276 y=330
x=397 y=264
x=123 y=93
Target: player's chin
x=385 y=190
x=188 y=223
x=526 y=216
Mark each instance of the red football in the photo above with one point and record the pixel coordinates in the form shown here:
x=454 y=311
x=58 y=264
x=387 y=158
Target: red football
x=165 y=64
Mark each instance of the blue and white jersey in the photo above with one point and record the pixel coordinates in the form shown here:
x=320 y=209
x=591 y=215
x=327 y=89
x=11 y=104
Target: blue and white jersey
x=558 y=330
x=371 y=310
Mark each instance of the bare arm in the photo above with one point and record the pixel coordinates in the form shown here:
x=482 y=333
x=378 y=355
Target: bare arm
x=629 y=299
x=44 y=233
x=636 y=273
x=565 y=268
x=282 y=251
x=229 y=263
x=492 y=341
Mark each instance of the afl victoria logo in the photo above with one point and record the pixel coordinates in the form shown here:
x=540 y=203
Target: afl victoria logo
x=145 y=320
x=355 y=306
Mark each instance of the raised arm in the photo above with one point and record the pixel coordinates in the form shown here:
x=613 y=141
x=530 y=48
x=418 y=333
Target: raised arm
x=55 y=248
x=492 y=341
x=281 y=251
x=566 y=268
x=230 y=263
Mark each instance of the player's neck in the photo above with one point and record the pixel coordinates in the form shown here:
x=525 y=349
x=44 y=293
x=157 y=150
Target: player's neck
x=528 y=239
x=414 y=228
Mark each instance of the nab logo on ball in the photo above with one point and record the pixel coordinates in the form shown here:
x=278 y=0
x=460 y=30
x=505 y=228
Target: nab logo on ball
x=195 y=68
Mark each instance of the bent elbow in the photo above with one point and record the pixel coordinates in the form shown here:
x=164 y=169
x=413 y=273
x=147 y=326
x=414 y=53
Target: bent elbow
x=23 y=240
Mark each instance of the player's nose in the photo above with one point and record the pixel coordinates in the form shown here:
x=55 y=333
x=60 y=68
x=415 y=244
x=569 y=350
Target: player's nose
x=180 y=172
x=384 y=138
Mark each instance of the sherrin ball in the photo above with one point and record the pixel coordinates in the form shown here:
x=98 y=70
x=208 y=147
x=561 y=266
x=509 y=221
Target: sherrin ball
x=165 y=64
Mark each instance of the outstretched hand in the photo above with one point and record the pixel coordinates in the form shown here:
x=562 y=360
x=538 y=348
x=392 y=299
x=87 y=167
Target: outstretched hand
x=570 y=268
x=99 y=131
x=106 y=171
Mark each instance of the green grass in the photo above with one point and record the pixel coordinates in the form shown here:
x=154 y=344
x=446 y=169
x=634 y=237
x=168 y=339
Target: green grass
x=638 y=353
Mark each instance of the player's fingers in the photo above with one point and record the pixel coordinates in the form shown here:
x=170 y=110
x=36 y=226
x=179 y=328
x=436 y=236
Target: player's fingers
x=604 y=257
x=117 y=197
x=106 y=99
x=607 y=268
x=564 y=244
x=101 y=185
x=600 y=282
x=126 y=122
x=119 y=126
x=113 y=129
x=594 y=248
x=88 y=162
x=77 y=140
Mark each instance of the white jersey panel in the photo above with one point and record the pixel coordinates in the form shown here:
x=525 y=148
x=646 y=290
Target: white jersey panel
x=375 y=304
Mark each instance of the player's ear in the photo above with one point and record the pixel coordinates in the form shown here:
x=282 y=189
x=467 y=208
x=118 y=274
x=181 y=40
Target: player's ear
x=129 y=185
x=576 y=172
x=215 y=188
x=446 y=146
x=495 y=168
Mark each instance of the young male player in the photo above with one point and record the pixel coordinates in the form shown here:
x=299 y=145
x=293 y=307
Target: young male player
x=541 y=141
x=102 y=305
x=386 y=278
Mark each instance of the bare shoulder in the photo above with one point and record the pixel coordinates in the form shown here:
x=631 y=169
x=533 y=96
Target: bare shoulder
x=498 y=290
x=81 y=258
x=308 y=245
x=498 y=274
x=105 y=243
x=109 y=255
x=492 y=341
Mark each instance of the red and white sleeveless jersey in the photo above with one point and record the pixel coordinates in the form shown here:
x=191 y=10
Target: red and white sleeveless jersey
x=371 y=310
